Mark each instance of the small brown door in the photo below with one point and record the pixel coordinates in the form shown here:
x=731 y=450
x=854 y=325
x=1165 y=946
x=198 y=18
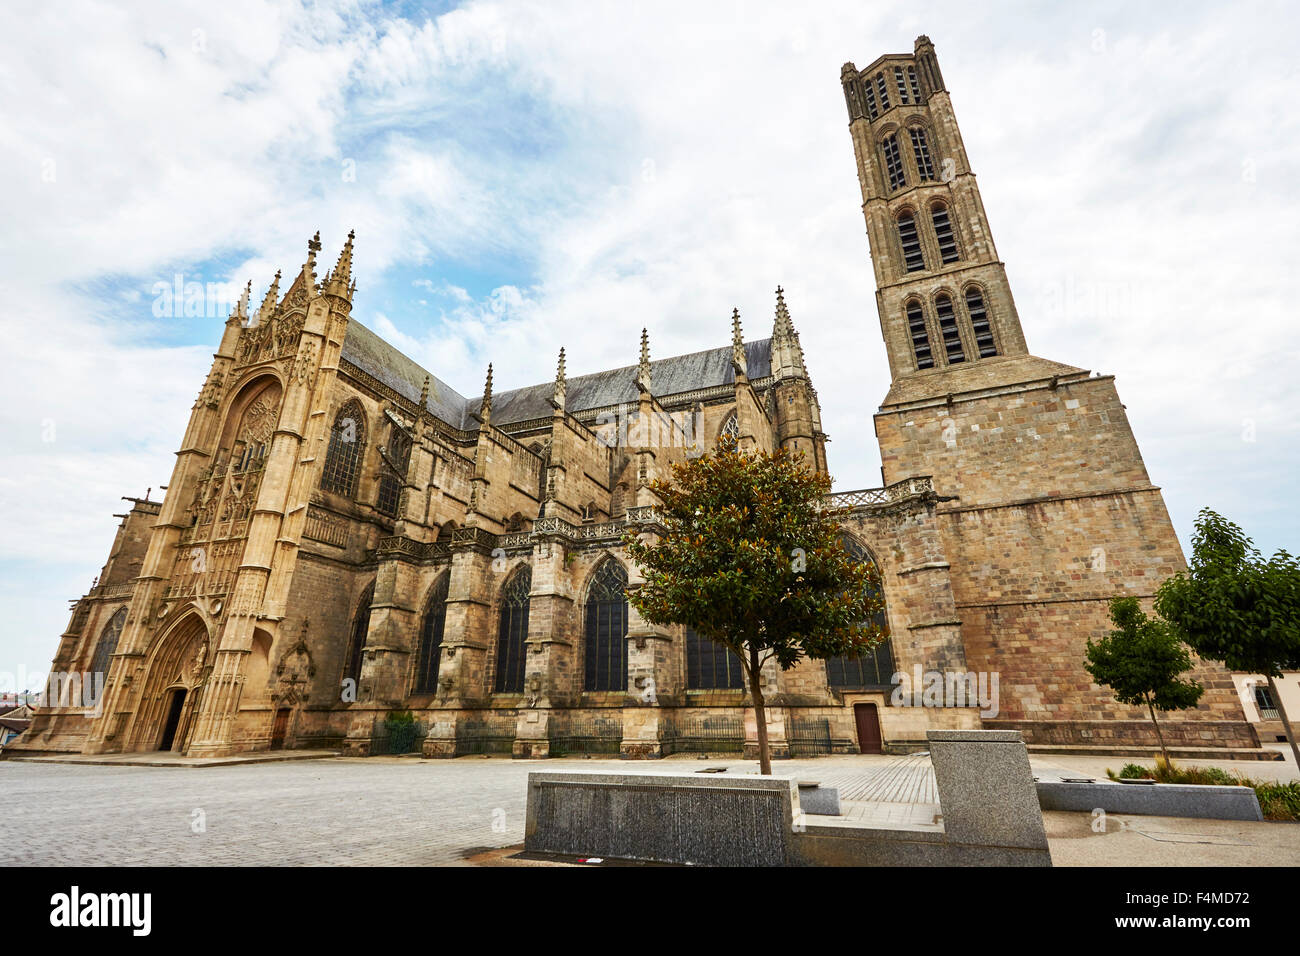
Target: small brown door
x=869 y=739
x=280 y=728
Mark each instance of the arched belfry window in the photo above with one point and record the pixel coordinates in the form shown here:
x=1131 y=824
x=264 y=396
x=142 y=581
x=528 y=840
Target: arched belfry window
x=343 y=459
x=948 y=329
x=911 y=242
x=920 y=337
x=431 y=629
x=710 y=665
x=883 y=89
x=893 y=163
x=921 y=153
x=107 y=644
x=360 y=627
x=911 y=81
x=872 y=109
x=943 y=233
x=512 y=633
x=979 y=322
x=874 y=669
x=901 y=84
x=606 y=628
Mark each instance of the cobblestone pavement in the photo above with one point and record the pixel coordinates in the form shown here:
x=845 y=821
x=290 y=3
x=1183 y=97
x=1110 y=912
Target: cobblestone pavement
x=330 y=812
x=408 y=811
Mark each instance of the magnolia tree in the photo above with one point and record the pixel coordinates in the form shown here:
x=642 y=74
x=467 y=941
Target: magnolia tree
x=1142 y=662
x=1232 y=606
x=751 y=558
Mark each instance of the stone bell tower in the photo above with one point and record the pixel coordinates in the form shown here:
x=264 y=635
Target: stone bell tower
x=1045 y=504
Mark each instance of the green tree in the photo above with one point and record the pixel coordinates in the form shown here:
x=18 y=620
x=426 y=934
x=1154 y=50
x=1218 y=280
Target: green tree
x=1140 y=661
x=751 y=557
x=1232 y=606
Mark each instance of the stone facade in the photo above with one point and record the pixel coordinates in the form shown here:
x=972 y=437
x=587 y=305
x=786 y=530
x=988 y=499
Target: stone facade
x=344 y=536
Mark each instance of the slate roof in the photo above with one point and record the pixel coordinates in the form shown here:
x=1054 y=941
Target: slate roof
x=668 y=376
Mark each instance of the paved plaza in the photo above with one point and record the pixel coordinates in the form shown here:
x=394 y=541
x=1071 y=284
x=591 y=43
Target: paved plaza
x=408 y=811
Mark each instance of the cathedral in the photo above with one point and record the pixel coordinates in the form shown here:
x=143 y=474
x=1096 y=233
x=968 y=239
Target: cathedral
x=352 y=556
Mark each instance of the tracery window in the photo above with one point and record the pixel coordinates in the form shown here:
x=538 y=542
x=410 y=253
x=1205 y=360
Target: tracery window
x=948 y=329
x=894 y=163
x=394 y=471
x=343 y=459
x=920 y=336
x=872 y=110
x=710 y=665
x=512 y=633
x=943 y=233
x=730 y=427
x=911 y=242
x=606 y=629
x=874 y=668
x=901 y=84
x=360 y=627
x=107 y=644
x=979 y=322
x=430 y=656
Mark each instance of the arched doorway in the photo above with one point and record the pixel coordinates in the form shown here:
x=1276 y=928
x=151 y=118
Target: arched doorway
x=171 y=687
x=175 y=708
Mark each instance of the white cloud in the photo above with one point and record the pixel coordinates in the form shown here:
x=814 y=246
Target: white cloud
x=644 y=166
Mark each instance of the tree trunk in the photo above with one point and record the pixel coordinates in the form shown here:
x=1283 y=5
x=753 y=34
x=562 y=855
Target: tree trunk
x=1286 y=723
x=760 y=714
x=1159 y=736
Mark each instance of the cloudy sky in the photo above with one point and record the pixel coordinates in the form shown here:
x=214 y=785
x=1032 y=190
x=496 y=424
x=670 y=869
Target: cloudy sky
x=525 y=176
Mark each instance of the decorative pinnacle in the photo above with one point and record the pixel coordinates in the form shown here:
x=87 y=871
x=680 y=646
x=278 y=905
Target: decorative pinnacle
x=343 y=269
x=240 y=312
x=309 y=267
x=643 y=370
x=557 y=395
x=268 y=303
x=424 y=393
x=486 y=407
x=737 y=344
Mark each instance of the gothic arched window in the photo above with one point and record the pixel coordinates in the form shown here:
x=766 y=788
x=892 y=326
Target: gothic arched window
x=893 y=163
x=343 y=459
x=606 y=628
x=883 y=89
x=360 y=626
x=710 y=665
x=979 y=322
x=874 y=668
x=107 y=645
x=943 y=232
x=730 y=428
x=430 y=656
x=911 y=242
x=513 y=632
x=920 y=337
x=911 y=81
x=394 y=471
x=921 y=153
x=872 y=110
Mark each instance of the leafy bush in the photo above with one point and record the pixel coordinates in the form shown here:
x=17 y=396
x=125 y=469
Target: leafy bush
x=398 y=718
x=1277 y=801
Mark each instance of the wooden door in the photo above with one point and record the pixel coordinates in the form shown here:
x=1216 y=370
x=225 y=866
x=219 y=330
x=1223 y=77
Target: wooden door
x=869 y=738
x=280 y=728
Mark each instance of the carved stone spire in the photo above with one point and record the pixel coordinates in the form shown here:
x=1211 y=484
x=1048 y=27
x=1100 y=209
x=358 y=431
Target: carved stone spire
x=424 y=394
x=643 y=370
x=787 y=353
x=267 y=307
x=339 y=281
x=240 y=313
x=557 y=396
x=485 y=410
x=738 y=361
